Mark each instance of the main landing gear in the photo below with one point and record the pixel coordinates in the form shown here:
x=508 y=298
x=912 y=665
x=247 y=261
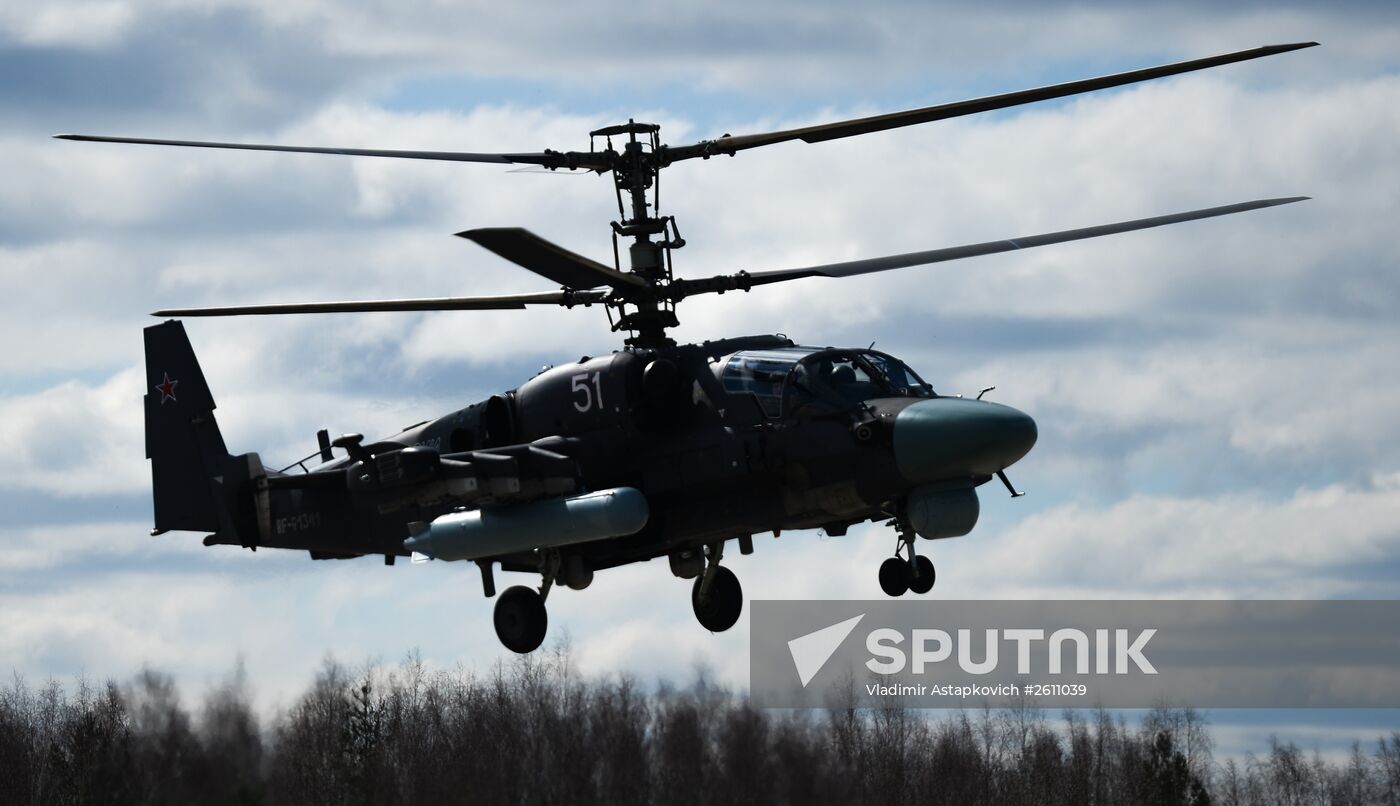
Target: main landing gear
x=521 y=620
x=717 y=598
x=898 y=574
x=520 y=616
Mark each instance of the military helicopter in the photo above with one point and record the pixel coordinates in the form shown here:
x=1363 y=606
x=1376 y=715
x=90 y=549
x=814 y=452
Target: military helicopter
x=656 y=450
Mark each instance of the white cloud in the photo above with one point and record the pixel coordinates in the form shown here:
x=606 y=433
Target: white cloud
x=1237 y=545
x=75 y=439
x=734 y=45
x=80 y=23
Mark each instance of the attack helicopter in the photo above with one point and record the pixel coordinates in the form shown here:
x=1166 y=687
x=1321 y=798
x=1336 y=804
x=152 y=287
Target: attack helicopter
x=657 y=450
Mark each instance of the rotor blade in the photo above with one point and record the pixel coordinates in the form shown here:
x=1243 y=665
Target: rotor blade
x=682 y=288
x=547 y=259
x=510 y=302
x=451 y=156
x=877 y=123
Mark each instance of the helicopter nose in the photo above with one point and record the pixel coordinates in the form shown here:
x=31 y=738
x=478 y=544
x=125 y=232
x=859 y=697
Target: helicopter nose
x=951 y=437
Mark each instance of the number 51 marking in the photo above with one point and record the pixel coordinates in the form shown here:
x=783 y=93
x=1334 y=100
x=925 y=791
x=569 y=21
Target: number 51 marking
x=592 y=393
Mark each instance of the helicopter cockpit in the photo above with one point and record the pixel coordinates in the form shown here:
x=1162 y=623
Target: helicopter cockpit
x=808 y=381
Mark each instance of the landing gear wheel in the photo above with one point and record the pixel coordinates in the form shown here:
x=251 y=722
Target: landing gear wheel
x=894 y=576
x=521 y=619
x=721 y=608
x=921 y=575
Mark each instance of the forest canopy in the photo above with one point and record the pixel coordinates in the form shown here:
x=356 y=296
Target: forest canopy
x=536 y=731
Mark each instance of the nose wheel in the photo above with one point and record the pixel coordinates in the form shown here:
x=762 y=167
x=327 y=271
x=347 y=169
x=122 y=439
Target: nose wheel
x=899 y=575
x=921 y=575
x=894 y=576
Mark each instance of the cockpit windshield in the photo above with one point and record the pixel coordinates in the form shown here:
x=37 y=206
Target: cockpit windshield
x=853 y=376
x=805 y=380
x=898 y=375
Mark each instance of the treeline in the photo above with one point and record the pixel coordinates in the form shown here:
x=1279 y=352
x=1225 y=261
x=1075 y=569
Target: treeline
x=537 y=732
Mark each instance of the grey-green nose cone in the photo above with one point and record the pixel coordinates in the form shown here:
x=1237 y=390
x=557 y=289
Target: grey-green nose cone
x=951 y=437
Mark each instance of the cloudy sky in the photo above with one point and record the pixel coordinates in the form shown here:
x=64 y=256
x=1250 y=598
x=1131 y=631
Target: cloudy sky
x=1219 y=402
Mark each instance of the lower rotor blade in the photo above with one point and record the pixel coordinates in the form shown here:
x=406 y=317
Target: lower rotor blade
x=682 y=288
x=530 y=251
x=511 y=302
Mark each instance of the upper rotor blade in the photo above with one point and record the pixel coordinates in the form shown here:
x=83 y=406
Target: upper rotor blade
x=847 y=269
x=848 y=128
x=451 y=156
x=509 y=302
x=524 y=248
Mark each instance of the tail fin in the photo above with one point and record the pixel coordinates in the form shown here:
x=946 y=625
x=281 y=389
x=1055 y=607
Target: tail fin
x=187 y=452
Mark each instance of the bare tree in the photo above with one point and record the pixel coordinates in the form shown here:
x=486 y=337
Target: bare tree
x=536 y=732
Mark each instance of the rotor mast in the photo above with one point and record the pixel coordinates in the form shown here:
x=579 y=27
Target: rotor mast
x=637 y=173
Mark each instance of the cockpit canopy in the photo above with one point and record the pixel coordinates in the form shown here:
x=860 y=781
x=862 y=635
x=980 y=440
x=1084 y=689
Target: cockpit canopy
x=810 y=380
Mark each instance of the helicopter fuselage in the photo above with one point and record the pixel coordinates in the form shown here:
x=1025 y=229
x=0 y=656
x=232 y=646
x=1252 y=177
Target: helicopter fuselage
x=724 y=440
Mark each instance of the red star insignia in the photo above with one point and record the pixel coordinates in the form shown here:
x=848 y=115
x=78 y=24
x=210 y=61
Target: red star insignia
x=166 y=389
